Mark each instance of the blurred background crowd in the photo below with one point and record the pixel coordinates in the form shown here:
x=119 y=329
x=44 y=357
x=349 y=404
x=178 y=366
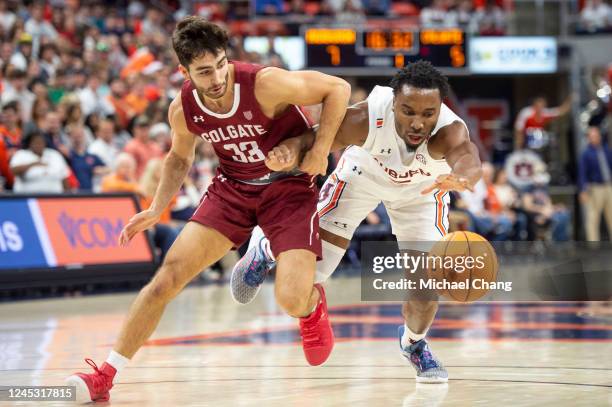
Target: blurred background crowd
x=85 y=87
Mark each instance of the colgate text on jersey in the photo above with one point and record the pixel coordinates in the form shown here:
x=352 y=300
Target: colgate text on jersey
x=233 y=132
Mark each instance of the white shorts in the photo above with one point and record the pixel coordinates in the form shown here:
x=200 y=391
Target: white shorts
x=344 y=203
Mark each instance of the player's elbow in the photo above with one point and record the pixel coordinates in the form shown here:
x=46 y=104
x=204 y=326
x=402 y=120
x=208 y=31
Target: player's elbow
x=341 y=89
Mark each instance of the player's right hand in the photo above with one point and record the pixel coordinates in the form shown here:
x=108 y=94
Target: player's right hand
x=281 y=158
x=139 y=222
x=315 y=162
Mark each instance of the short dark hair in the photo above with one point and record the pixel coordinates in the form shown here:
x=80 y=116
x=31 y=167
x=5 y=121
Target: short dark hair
x=194 y=36
x=420 y=74
x=26 y=142
x=12 y=105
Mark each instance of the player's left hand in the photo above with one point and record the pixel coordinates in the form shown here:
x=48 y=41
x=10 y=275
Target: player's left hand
x=281 y=158
x=449 y=182
x=315 y=162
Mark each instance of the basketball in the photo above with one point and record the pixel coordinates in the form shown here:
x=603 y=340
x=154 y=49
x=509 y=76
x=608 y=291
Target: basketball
x=467 y=265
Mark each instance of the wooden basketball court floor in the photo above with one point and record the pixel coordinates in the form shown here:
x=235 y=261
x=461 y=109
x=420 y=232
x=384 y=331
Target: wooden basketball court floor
x=209 y=351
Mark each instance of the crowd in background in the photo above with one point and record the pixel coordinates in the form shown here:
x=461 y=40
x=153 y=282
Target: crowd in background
x=485 y=17
x=596 y=17
x=85 y=90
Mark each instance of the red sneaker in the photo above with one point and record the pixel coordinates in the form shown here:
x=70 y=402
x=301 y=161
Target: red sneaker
x=317 y=334
x=93 y=386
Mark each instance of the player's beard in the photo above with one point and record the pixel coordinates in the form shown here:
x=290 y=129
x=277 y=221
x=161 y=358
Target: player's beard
x=208 y=93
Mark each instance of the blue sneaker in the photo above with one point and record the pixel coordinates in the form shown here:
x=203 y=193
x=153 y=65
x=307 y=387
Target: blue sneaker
x=250 y=272
x=428 y=367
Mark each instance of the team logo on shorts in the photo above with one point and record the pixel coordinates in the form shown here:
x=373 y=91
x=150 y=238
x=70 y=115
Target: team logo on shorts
x=379 y=122
x=421 y=158
x=248 y=115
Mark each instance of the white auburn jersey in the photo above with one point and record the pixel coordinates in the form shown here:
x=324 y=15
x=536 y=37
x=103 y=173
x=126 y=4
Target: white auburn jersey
x=384 y=156
x=383 y=170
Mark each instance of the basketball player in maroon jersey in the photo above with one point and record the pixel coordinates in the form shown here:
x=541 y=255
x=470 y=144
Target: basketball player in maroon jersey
x=244 y=110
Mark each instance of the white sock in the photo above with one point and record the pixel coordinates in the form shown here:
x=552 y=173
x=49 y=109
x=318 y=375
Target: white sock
x=332 y=255
x=117 y=361
x=410 y=337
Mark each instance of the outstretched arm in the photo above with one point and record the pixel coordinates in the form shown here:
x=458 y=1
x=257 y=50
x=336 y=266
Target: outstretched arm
x=276 y=88
x=453 y=143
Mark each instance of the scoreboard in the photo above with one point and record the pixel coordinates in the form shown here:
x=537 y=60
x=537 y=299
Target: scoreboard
x=384 y=48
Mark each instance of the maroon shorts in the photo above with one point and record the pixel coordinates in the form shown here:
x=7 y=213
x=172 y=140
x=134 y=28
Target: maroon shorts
x=286 y=210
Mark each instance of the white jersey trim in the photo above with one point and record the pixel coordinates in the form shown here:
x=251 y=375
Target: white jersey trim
x=303 y=116
x=235 y=104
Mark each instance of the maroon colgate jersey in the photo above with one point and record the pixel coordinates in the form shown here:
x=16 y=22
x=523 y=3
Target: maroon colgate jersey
x=242 y=137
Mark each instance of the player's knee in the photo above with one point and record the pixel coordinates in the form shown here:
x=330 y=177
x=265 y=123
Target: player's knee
x=165 y=285
x=292 y=302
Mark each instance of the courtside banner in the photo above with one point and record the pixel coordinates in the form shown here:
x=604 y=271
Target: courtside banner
x=20 y=246
x=68 y=231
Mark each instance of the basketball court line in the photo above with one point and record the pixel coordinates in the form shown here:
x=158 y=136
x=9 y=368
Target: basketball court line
x=305 y=366
x=363 y=378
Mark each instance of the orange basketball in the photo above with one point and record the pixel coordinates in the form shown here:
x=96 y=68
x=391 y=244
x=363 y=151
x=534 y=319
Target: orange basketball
x=464 y=266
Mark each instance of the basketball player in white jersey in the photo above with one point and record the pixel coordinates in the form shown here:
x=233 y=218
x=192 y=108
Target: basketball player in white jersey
x=405 y=148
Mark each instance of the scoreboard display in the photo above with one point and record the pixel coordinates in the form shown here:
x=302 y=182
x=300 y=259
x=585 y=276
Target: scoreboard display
x=383 y=48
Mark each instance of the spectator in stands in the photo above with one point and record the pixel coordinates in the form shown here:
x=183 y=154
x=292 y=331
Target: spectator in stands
x=205 y=166
x=543 y=214
x=117 y=98
x=104 y=146
x=39 y=169
x=434 y=16
x=23 y=54
x=54 y=133
x=136 y=98
x=503 y=198
x=376 y=7
x=596 y=16
x=10 y=129
x=91 y=98
x=72 y=108
x=490 y=19
x=40 y=108
x=57 y=85
x=84 y=164
x=536 y=116
x=595 y=184
x=38 y=27
x=269 y=7
x=160 y=133
x=7 y=18
x=187 y=201
x=6 y=52
x=325 y=9
x=494 y=226
x=49 y=60
x=16 y=90
x=123 y=177
x=141 y=147
x=351 y=12
x=462 y=16
x=6 y=175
